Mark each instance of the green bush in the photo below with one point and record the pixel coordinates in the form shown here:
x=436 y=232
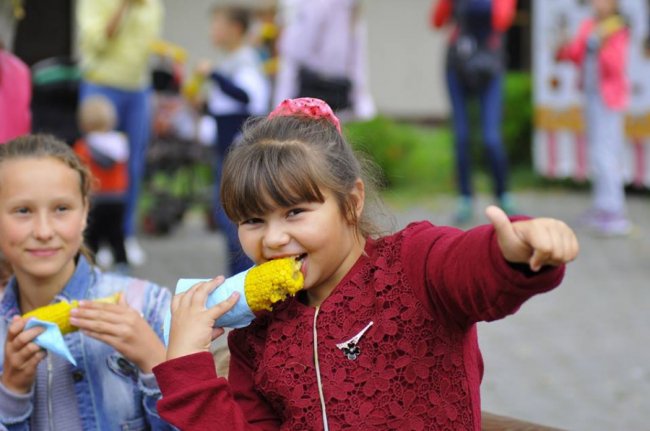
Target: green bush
x=409 y=156
x=518 y=117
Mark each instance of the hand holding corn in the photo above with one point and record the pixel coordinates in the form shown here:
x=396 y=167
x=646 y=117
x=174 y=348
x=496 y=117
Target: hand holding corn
x=258 y=289
x=21 y=356
x=123 y=328
x=59 y=312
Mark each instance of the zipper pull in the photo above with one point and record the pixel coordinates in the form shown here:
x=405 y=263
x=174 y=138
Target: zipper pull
x=350 y=348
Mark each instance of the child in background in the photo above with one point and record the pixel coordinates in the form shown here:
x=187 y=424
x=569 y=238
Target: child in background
x=106 y=152
x=238 y=90
x=383 y=335
x=44 y=191
x=600 y=50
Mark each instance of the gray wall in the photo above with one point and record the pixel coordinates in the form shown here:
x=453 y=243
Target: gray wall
x=405 y=55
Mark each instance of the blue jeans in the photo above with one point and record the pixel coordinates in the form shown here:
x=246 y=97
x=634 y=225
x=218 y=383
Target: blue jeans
x=490 y=100
x=228 y=127
x=134 y=120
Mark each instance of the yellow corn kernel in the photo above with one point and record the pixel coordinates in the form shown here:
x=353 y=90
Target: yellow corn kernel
x=59 y=312
x=272 y=282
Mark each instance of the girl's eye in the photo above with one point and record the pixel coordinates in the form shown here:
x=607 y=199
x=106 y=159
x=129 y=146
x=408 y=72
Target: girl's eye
x=62 y=208
x=295 y=211
x=22 y=210
x=250 y=221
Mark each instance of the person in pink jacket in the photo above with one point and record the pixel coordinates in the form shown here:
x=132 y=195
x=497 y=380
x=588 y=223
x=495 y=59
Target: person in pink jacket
x=15 y=96
x=600 y=50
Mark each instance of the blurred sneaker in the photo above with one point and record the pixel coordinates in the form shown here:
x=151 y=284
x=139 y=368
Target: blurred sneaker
x=134 y=252
x=610 y=227
x=464 y=211
x=603 y=223
x=104 y=257
x=507 y=204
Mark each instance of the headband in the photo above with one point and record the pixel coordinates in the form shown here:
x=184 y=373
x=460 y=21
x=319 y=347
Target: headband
x=307 y=107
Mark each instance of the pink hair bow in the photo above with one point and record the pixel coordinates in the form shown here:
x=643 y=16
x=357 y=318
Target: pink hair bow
x=308 y=107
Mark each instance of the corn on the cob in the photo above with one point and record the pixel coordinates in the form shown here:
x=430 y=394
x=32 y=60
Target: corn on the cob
x=59 y=313
x=272 y=282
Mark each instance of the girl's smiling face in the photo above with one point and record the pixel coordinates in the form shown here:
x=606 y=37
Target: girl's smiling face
x=327 y=243
x=42 y=217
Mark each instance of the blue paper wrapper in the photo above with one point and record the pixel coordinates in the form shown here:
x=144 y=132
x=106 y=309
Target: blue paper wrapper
x=239 y=316
x=51 y=339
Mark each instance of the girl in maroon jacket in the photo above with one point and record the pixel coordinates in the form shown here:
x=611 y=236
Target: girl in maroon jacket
x=383 y=335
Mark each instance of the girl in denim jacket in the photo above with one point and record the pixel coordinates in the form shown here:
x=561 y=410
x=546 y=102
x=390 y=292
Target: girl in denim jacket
x=43 y=208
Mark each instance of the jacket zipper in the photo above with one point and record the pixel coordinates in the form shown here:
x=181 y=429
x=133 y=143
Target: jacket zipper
x=50 y=409
x=318 y=376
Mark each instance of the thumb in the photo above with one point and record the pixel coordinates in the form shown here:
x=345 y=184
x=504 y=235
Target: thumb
x=501 y=223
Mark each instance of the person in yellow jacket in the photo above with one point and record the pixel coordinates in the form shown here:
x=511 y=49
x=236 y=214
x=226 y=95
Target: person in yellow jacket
x=115 y=39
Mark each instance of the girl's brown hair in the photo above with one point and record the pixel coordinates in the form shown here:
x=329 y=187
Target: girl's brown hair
x=285 y=160
x=40 y=146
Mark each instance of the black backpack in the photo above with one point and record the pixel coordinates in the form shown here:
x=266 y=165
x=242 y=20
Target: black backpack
x=476 y=61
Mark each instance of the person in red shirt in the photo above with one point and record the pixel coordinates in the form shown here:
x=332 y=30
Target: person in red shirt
x=383 y=335
x=105 y=151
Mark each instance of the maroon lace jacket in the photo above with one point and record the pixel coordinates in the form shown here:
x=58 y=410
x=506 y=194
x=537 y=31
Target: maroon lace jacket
x=396 y=348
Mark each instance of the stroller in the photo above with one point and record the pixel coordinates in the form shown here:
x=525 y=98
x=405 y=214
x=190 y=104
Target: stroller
x=178 y=174
x=55 y=95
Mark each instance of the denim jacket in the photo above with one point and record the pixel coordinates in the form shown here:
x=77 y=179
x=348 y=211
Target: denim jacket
x=102 y=376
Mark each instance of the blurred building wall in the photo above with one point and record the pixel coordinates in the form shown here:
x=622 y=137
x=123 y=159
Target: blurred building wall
x=406 y=58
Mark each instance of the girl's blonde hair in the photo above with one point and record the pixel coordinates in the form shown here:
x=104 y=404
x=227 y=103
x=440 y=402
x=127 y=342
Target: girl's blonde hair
x=285 y=160
x=39 y=146
x=96 y=114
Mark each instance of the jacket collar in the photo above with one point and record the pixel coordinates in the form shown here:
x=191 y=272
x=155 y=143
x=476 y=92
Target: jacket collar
x=75 y=288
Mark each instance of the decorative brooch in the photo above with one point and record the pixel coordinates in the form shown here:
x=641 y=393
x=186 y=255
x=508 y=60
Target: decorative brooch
x=350 y=348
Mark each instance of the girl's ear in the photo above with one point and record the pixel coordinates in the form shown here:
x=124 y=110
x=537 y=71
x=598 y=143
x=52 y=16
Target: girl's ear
x=358 y=195
x=85 y=218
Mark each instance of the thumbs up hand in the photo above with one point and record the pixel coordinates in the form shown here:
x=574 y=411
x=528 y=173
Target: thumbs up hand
x=538 y=242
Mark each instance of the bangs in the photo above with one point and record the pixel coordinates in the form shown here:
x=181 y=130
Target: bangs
x=273 y=175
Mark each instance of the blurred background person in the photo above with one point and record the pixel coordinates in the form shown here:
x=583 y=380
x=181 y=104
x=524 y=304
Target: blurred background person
x=475 y=68
x=105 y=151
x=15 y=96
x=323 y=54
x=115 y=39
x=600 y=50
x=237 y=88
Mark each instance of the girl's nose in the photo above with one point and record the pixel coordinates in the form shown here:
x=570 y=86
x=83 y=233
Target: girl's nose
x=275 y=237
x=43 y=228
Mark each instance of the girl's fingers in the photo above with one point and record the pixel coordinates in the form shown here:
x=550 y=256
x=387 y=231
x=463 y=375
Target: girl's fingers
x=224 y=306
x=543 y=247
x=204 y=289
x=24 y=354
x=27 y=336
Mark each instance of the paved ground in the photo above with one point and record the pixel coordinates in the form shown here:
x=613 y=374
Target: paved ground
x=577 y=358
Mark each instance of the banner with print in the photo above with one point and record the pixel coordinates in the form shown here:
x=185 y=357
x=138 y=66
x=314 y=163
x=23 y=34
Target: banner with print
x=559 y=144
